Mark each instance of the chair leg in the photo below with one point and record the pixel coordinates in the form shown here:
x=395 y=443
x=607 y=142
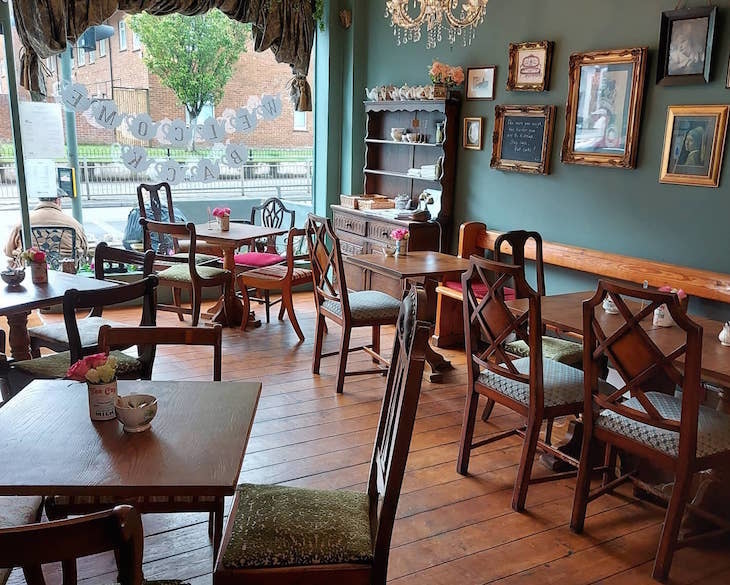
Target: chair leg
x=246 y=307
x=342 y=358
x=376 y=341
x=196 y=294
x=177 y=301
x=281 y=307
x=267 y=304
x=211 y=525
x=583 y=483
x=218 y=529
x=288 y=303
x=609 y=461
x=488 y=408
x=318 y=339
x=519 y=495
x=35 y=348
x=467 y=432
x=672 y=523
x=34 y=575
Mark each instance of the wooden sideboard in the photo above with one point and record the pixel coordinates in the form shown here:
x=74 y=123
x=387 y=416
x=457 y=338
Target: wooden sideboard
x=365 y=232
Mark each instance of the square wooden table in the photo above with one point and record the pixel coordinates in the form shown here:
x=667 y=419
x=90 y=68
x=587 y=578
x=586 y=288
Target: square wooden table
x=16 y=303
x=431 y=267
x=238 y=235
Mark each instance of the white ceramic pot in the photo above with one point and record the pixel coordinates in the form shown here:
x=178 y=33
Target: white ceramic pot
x=136 y=411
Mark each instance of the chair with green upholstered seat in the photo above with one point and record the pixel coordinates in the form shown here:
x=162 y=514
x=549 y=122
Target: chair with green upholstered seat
x=54 y=336
x=283 y=535
x=189 y=275
x=349 y=309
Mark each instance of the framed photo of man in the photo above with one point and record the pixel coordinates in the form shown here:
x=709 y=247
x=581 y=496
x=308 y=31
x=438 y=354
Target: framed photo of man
x=685 y=45
x=694 y=143
x=529 y=66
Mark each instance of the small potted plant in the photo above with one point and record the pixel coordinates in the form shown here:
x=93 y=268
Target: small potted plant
x=400 y=235
x=36 y=259
x=223 y=215
x=444 y=78
x=99 y=371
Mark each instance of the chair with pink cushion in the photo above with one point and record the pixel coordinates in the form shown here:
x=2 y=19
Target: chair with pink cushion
x=264 y=253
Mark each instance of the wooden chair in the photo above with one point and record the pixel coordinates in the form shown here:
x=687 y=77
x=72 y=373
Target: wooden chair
x=534 y=387
x=147 y=339
x=282 y=535
x=55 y=337
x=50 y=239
x=118 y=530
x=281 y=277
x=644 y=417
x=349 y=309
x=190 y=275
x=55 y=366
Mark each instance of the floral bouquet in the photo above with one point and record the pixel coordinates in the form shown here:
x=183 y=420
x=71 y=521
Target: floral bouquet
x=98 y=368
x=446 y=74
x=33 y=255
x=400 y=234
x=224 y=217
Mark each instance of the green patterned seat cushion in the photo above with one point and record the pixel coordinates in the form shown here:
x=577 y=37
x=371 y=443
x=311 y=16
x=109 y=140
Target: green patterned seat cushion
x=553 y=348
x=181 y=272
x=199 y=258
x=16 y=511
x=277 y=526
x=88 y=330
x=56 y=365
x=367 y=305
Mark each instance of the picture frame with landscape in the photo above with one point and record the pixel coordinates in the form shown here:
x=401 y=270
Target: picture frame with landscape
x=685 y=45
x=606 y=91
x=473 y=133
x=480 y=82
x=522 y=139
x=694 y=144
x=529 y=66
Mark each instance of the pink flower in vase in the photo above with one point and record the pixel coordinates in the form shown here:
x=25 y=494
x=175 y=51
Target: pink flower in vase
x=400 y=234
x=78 y=371
x=222 y=211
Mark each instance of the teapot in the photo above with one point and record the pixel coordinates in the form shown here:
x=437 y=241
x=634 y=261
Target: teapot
x=106 y=114
x=176 y=132
x=724 y=336
x=662 y=317
x=141 y=126
x=135 y=158
x=75 y=97
x=245 y=120
x=236 y=155
x=170 y=171
x=373 y=94
x=609 y=306
x=393 y=93
x=205 y=171
x=212 y=130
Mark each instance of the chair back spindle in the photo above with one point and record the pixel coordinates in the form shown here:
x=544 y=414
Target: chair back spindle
x=165 y=244
x=272 y=213
x=517 y=241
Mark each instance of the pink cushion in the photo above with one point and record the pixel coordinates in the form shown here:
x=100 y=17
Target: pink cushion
x=480 y=289
x=257 y=259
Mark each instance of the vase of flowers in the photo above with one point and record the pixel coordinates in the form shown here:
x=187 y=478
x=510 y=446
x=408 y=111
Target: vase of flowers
x=223 y=215
x=401 y=236
x=99 y=371
x=36 y=259
x=445 y=79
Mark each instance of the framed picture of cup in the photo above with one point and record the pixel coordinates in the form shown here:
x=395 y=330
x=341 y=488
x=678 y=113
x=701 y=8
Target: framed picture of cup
x=694 y=143
x=473 y=133
x=685 y=45
x=480 y=82
x=522 y=139
x=605 y=93
x=529 y=66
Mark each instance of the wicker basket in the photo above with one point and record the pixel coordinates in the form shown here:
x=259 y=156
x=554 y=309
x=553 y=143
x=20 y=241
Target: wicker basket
x=377 y=202
x=349 y=201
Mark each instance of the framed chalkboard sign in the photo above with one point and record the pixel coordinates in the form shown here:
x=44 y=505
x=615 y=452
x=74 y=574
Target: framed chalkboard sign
x=523 y=138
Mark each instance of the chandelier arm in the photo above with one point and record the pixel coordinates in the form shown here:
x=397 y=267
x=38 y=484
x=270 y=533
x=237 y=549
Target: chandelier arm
x=472 y=16
x=399 y=14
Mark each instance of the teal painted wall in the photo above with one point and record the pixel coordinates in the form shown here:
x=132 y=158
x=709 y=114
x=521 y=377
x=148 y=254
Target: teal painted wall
x=616 y=210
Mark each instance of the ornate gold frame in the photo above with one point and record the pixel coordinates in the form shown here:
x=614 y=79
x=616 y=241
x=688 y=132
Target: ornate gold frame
x=627 y=160
x=464 y=138
x=712 y=179
x=514 y=49
x=541 y=168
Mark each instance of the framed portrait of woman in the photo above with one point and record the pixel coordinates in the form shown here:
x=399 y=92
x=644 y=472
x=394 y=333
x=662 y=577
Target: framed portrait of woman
x=694 y=143
x=685 y=45
x=605 y=94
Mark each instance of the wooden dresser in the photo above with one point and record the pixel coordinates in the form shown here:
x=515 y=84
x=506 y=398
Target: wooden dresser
x=363 y=232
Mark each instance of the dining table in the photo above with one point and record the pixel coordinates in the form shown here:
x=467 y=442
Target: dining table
x=228 y=311
x=17 y=303
x=427 y=267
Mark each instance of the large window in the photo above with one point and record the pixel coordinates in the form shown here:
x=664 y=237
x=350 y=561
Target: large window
x=136 y=44
x=81 y=56
x=102 y=48
x=122 y=35
x=92 y=56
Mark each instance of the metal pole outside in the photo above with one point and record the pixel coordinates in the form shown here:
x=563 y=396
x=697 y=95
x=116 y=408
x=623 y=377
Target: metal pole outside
x=71 y=140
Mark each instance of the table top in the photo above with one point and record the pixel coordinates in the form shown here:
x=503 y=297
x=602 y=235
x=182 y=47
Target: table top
x=239 y=234
x=49 y=445
x=412 y=265
x=31 y=296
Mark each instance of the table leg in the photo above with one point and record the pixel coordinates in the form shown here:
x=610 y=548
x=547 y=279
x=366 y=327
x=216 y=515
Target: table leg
x=437 y=363
x=18 y=338
x=233 y=315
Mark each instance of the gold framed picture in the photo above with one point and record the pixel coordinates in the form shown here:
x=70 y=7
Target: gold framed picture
x=529 y=66
x=522 y=139
x=604 y=107
x=694 y=143
x=473 y=133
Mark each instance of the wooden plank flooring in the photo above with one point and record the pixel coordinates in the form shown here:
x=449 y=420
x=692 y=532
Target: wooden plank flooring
x=450 y=529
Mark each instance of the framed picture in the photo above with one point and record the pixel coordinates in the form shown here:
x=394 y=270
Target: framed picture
x=529 y=66
x=685 y=45
x=522 y=139
x=480 y=82
x=604 y=107
x=473 y=132
x=694 y=142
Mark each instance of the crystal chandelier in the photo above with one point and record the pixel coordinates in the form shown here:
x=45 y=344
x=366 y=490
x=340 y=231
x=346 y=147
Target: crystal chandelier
x=407 y=18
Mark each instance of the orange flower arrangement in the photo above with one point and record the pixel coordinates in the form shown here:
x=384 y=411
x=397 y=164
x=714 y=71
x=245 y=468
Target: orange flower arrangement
x=442 y=73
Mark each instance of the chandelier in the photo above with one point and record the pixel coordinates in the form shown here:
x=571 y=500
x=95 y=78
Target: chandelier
x=407 y=18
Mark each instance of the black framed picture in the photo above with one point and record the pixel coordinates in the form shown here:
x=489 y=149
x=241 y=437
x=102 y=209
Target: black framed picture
x=685 y=45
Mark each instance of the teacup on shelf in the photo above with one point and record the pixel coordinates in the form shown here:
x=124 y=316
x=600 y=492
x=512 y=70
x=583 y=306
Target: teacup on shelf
x=397 y=134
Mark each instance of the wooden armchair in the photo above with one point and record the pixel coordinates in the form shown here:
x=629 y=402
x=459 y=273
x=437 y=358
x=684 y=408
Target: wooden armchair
x=644 y=417
x=282 y=535
x=272 y=214
x=189 y=275
x=55 y=337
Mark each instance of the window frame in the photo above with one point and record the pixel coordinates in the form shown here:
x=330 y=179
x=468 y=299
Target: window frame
x=122 y=34
x=80 y=56
x=102 y=48
x=300 y=128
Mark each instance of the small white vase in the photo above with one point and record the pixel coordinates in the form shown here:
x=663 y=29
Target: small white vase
x=102 y=398
x=724 y=336
x=662 y=317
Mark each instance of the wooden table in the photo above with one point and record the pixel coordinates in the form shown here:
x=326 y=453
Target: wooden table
x=238 y=235
x=16 y=303
x=431 y=267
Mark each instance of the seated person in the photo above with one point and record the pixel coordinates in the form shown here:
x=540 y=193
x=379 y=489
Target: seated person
x=48 y=212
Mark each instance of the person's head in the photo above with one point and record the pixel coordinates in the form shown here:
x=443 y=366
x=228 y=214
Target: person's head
x=693 y=140
x=57 y=199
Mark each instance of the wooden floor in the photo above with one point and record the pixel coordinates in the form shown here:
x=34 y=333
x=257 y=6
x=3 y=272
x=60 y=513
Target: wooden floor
x=450 y=529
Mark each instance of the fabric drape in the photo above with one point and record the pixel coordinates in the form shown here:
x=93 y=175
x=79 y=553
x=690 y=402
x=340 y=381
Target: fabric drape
x=284 y=26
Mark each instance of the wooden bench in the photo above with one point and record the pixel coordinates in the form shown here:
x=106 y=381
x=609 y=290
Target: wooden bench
x=475 y=238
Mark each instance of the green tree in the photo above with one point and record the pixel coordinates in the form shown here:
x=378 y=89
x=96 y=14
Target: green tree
x=192 y=55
